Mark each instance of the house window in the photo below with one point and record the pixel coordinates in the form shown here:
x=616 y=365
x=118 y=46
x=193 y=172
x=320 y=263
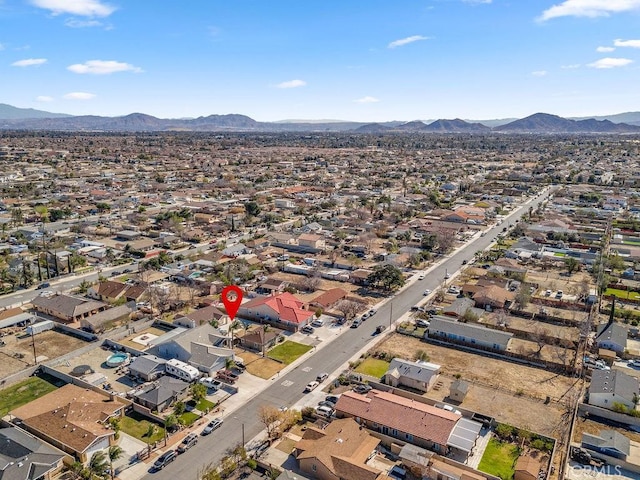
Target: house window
x=394 y=432
x=408 y=437
x=374 y=425
x=314 y=468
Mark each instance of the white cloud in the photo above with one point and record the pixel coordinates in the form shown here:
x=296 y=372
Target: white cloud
x=589 y=8
x=405 y=41
x=605 y=49
x=292 y=84
x=367 y=99
x=29 y=62
x=610 y=63
x=539 y=73
x=44 y=98
x=571 y=66
x=477 y=2
x=79 y=96
x=1 y=46
x=83 y=8
x=102 y=67
x=627 y=43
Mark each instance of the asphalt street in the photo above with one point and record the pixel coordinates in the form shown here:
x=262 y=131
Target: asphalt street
x=288 y=388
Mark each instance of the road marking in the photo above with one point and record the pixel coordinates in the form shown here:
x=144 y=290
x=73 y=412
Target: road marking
x=287 y=383
x=307 y=369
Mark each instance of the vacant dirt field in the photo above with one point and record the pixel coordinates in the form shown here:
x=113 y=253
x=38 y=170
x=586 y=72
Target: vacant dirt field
x=534 y=326
x=257 y=365
x=520 y=411
x=489 y=372
x=18 y=351
x=549 y=353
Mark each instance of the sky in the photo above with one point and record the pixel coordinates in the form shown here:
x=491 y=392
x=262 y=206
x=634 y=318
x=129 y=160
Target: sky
x=359 y=60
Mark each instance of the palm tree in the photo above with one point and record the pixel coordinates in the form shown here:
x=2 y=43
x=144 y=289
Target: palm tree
x=78 y=470
x=114 y=453
x=98 y=465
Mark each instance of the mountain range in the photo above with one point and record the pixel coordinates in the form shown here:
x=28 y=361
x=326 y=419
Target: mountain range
x=13 y=118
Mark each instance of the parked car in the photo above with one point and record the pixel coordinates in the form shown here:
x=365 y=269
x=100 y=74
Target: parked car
x=379 y=329
x=324 y=403
x=356 y=323
x=325 y=411
x=211 y=426
x=188 y=442
x=559 y=294
x=165 y=459
x=422 y=276
x=464 y=262
x=308 y=329
x=311 y=386
x=362 y=389
x=422 y=323
x=211 y=382
x=447 y=276
x=426 y=292
x=322 y=377
x=43 y=285
x=332 y=398
x=449 y=408
x=634 y=363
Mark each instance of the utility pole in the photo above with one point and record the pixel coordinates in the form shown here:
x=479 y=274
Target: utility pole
x=390 y=315
x=33 y=342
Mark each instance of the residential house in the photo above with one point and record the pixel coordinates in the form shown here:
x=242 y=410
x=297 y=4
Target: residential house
x=147 y=367
x=73 y=419
x=271 y=286
x=397 y=419
x=97 y=322
x=459 y=307
x=608 y=442
x=15 y=316
x=201 y=316
x=470 y=334
x=339 y=451
x=416 y=375
x=311 y=242
x=260 y=339
x=511 y=267
x=25 y=457
x=205 y=347
x=283 y=310
x=67 y=308
x=493 y=297
x=612 y=336
x=527 y=468
x=328 y=299
x=162 y=393
x=609 y=387
x=107 y=291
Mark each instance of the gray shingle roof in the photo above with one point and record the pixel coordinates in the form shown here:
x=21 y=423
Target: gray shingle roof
x=613 y=332
x=443 y=325
x=31 y=457
x=146 y=364
x=608 y=439
x=613 y=381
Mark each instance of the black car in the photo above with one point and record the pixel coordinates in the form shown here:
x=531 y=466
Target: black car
x=165 y=459
x=307 y=329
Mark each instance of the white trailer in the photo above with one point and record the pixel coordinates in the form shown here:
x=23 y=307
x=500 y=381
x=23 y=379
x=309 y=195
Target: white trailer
x=182 y=370
x=40 y=327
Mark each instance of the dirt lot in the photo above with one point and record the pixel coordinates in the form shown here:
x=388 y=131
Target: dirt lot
x=555 y=331
x=585 y=425
x=520 y=411
x=257 y=365
x=489 y=372
x=551 y=279
x=128 y=341
x=18 y=351
x=549 y=353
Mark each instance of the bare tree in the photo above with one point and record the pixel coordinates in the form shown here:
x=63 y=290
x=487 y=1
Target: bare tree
x=349 y=308
x=269 y=417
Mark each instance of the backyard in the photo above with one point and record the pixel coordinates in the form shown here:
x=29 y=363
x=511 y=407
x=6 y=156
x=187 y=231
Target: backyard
x=624 y=294
x=499 y=459
x=289 y=351
x=22 y=393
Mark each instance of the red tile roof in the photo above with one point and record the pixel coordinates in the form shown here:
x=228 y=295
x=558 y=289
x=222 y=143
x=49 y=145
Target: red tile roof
x=403 y=414
x=287 y=306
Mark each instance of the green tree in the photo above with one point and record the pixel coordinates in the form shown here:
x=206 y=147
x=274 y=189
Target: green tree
x=179 y=408
x=252 y=208
x=98 y=465
x=114 y=453
x=572 y=264
x=387 y=276
x=198 y=391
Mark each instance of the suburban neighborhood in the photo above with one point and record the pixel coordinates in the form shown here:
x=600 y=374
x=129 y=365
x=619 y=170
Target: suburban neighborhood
x=414 y=306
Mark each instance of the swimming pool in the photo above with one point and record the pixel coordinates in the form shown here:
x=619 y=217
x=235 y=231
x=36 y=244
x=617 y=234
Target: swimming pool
x=117 y=359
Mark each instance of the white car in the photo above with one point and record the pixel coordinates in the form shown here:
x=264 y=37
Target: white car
x=426 y=292
x=634 y=363
x=311 y=386
x=422 y=276
x=210 y=382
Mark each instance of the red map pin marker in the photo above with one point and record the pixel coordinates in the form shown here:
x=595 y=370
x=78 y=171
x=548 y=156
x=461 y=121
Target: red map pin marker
x=232 y=297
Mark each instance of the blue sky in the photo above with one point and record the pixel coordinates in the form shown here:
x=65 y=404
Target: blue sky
x=364 y=60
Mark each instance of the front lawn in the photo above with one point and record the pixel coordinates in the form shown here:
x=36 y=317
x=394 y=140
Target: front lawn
x=289 y=351
x=188 y=418
x=499 y=459
x=137 y=426
x=22 y=393
x=204 y=405
x=373 y=367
